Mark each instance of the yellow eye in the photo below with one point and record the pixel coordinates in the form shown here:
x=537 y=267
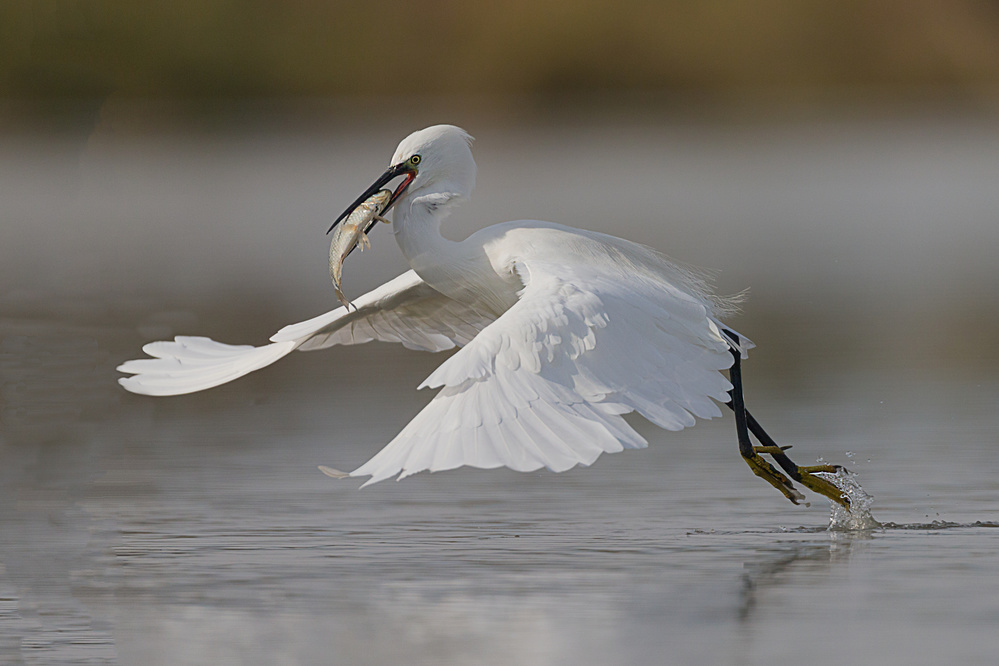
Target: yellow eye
x=415 y=159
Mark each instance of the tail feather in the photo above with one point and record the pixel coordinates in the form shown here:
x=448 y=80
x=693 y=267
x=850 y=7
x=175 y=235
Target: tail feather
x=190 y=364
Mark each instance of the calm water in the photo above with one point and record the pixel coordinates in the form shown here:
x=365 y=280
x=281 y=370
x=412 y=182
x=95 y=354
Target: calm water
x=197 y=530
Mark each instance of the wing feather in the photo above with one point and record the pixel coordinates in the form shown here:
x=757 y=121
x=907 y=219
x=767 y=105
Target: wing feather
x=547 y=383
x=404 y=310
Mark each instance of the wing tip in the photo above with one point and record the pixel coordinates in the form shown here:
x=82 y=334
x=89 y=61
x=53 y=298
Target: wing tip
x=333 y=473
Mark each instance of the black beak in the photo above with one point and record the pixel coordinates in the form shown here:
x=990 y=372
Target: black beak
x=398 y=170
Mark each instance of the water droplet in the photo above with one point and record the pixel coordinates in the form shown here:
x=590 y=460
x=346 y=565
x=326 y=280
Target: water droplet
x=858 y=516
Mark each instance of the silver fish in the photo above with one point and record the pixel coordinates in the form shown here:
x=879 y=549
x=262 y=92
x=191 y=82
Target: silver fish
x=353 y=231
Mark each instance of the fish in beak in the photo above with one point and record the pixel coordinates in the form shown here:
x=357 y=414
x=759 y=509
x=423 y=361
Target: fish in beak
x=406 y=169
x=354 y=223
x=352 y=231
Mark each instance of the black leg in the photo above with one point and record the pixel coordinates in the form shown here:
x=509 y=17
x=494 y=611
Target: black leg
x=760 y=467
x=738 y=405
x=745 y=423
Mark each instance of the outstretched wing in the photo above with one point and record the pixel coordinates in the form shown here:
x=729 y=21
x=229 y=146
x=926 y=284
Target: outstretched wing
x=404 y=310
x=547 y=383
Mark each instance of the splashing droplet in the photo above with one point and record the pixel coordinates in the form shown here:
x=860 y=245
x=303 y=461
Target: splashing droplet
x=858 y=517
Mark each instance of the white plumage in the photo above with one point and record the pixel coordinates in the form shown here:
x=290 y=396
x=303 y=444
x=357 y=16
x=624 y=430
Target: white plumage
x=562 y=332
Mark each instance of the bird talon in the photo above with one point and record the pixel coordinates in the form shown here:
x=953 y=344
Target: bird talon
x=823 y=486
x=771 y=450
x=766 y=471
x=823 y=469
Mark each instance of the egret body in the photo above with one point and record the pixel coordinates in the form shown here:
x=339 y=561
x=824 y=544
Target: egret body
x=562 y=331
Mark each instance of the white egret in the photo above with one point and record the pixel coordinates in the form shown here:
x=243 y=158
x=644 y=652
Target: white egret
x=562 y=331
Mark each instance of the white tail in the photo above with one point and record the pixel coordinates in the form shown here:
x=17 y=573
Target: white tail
x=190 y=364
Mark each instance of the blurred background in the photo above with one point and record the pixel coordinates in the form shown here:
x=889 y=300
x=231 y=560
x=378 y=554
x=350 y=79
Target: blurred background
x=171 y=168
x=767 y=52
x=838 y=159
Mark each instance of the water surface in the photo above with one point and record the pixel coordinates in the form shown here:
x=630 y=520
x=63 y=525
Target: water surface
x=197 y=529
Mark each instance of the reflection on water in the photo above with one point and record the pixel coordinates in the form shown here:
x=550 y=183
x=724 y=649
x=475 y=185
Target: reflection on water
x=768 y=570
x=198 y=530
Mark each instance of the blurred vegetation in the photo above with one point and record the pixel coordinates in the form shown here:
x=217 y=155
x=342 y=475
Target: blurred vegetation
x=190 y=49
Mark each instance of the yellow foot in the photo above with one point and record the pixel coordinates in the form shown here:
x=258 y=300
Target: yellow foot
x=771 y=450
x=766 y=471
x=822 y=486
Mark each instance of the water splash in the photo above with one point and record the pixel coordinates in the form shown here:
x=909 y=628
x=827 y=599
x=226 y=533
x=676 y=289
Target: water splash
x=858 y=517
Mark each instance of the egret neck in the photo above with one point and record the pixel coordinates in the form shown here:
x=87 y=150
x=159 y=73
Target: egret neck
x=417 y=228
x=460 y=270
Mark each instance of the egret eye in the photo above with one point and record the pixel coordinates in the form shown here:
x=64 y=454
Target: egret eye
x=415 y=159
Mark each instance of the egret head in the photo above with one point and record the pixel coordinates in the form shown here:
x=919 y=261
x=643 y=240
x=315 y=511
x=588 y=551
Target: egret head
x=437 y=159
